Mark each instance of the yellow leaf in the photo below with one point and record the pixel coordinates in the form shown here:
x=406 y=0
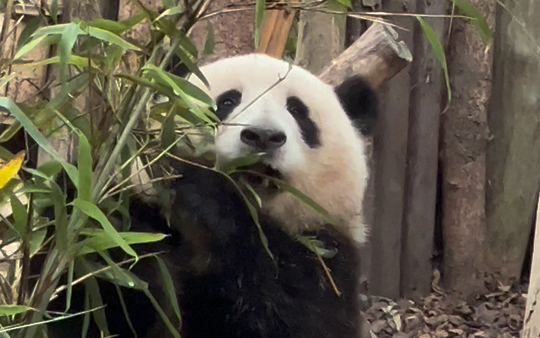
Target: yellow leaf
x=10 y=169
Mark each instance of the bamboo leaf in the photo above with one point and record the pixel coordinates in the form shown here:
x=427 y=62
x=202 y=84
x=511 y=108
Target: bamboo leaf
x=19 y=214
x=171 y=12
x=69 y=37
x=10 y=310
x=36 y=135
x=27 y=48
x=111 y=38
x=54 y=11
x=93 y=211
x=101 y=241
x=260 y=8
x=108 y=25
x=478 y=19
x=169 y=287
x=84 y=188
x=10 y=169
x=191 y=66
x=437 y=46
x=27 y=32
x=210 y=43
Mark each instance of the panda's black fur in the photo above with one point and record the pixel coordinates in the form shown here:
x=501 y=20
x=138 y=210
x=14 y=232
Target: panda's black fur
x=228 y=284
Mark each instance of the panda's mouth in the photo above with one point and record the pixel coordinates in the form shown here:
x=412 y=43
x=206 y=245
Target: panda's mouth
x=260 y=175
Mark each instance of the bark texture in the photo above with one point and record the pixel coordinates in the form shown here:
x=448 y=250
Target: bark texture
x=464 y=140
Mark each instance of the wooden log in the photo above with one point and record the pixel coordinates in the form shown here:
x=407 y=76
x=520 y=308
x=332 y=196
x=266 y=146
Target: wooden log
x=377 y=55
x=513 y=150
x=531 y=321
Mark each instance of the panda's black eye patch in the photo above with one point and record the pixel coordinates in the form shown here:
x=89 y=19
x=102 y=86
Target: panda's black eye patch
x=226 y=102
x=308 y=128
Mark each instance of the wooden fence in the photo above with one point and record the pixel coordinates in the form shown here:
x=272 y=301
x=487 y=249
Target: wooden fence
x=416 y=143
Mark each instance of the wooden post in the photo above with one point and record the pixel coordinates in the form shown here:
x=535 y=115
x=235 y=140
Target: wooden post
x=422 y=159
x=463 y=145
x=513 y=150
x=275 y=30
x=321 y=38
x=531 y=321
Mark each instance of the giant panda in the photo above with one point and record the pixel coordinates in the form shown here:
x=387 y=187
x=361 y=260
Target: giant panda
x=245 y=276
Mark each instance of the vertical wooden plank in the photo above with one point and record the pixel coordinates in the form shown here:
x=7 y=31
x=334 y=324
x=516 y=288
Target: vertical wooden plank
x=275 y=31
x=427 y=85
x=531 y=322
x=463 y=143
x=390 y=152
x=321 y=38
x=513 y=152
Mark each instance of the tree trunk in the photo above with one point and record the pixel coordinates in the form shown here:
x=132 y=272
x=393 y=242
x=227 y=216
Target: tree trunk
x=464 y=138
x=513 y=154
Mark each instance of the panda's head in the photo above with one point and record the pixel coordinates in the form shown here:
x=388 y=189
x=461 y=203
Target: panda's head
x=307 y=130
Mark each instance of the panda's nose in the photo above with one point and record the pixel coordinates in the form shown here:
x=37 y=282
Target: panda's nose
x=263 y=139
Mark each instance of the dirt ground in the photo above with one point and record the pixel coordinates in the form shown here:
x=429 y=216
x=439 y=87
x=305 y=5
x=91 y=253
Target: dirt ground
x=496 y=314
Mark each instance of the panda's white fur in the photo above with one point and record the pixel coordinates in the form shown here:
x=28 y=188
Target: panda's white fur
x=335 y=174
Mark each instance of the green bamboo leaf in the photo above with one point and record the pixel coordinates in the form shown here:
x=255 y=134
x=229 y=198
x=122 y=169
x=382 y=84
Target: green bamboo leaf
x=75 y=60
x=5 y=80
x=28 y=47
x=192 y=90
x=93 y=211
x=162 y=314
x=78 y=120
x=36 y=135
x=51 y=30
x=36 y=240
x=5 y=154
x=120 y=276
x=111 y=38
x=19 y=214
x=101 y=241
x=84 y=189
x=478 y=18
x=10 y=310
x=188 y=45
x=108 y=25
x=260 y=8
x=54 y=11
x=28 y=30
x=169 y=287
x=10 y=131
x=168 y=130
x=171 y=12
x=186 y=60
x=210 y=43
x=437 y=46
x=161 y=76
x=165 y=90
x=95 y=301
x=133 y=20
x=69 y=37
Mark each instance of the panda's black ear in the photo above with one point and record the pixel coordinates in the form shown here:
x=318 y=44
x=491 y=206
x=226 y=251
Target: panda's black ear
x=359 y=101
